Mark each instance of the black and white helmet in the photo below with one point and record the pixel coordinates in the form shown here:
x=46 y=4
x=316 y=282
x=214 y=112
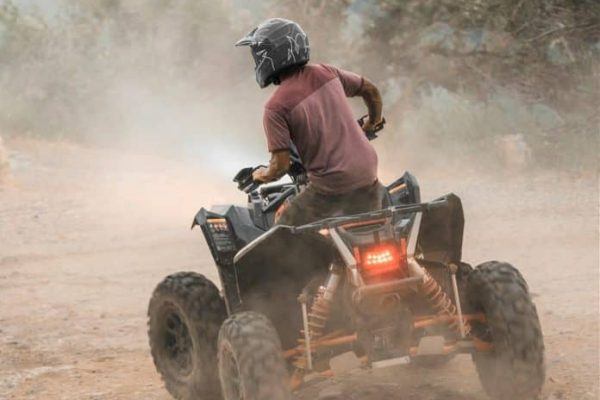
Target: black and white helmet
x=276 y=44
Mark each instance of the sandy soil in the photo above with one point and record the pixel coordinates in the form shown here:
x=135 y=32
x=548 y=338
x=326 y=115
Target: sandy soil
x=86 y=234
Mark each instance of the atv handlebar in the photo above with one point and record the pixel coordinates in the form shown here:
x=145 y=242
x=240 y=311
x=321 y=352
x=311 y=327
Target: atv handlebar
x=245 y=181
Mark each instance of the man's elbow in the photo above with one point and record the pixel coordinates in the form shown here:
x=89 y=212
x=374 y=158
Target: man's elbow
x=369 y=90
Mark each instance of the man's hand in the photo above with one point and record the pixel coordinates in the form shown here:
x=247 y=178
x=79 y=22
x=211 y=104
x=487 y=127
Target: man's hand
x=260 y=174
x=369 y=126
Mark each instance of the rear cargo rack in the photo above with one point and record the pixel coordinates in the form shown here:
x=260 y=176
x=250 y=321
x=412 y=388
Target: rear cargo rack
x=369 y=217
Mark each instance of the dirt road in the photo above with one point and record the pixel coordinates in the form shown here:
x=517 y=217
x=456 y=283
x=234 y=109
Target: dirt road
x=86 y=234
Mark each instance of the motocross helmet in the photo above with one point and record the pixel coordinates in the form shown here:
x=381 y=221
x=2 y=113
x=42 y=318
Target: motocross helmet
x=276 y=44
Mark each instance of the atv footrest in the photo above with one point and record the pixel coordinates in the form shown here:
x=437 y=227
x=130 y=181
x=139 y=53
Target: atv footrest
x=392 y=362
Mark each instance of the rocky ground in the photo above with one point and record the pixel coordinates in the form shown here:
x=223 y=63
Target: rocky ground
x=85 y=235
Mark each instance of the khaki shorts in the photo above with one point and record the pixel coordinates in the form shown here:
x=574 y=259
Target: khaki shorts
x=310 y=205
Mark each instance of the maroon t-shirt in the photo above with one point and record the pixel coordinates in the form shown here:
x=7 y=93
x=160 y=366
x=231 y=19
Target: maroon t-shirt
x=310 y=109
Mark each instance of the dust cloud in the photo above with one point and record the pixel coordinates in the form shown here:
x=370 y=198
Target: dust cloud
x=163 y=78
x=159 y=78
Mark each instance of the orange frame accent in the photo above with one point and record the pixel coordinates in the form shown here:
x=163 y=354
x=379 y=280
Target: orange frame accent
x=363 y=223
x=398 y=188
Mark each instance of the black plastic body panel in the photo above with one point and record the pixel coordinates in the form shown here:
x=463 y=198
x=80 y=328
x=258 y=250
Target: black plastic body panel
x=274 y=271
x=368 y=235
x=441 y=234
x=404 y=190
x=241 y=231
x=240 y=219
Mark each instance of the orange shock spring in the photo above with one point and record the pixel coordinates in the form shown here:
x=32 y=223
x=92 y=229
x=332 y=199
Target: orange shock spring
x=319 y=312
x=440 y=302
x=318 y=316
x=317 y=319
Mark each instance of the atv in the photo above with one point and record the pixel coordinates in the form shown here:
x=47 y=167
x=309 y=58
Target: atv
x=376 y=289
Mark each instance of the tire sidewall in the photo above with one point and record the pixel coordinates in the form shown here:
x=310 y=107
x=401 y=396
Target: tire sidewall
x=514 y=369
x=252 y=343
x=201 y=309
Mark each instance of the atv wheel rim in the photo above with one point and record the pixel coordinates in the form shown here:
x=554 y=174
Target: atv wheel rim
x=231 y=382
x=178 y=342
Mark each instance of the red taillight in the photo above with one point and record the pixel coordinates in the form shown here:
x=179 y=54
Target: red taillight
x=383 y=259
x=380 y=256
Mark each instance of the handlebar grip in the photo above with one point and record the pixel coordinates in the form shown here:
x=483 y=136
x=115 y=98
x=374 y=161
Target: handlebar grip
x=371 y=134
x=245 y=181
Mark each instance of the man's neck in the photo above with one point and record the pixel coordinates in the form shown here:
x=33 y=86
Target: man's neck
x=289 y=72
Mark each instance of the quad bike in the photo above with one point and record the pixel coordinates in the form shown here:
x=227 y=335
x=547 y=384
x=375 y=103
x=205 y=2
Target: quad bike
x=376 y=289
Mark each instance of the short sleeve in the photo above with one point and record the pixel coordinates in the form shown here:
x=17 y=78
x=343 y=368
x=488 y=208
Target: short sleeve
x=277 y=131
x=351 y=82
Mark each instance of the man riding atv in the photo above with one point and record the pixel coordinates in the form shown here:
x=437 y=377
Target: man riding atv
x=310 y=112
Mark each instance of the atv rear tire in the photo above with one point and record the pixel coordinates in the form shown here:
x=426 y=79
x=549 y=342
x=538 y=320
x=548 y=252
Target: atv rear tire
x=251 y=365
x=514 y=368
x=185 y=314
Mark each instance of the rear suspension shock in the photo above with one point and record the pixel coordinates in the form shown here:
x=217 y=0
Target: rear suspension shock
x=441 y=303
x=318 y=317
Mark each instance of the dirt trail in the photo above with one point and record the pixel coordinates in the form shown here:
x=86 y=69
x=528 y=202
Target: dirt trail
x=86 y=234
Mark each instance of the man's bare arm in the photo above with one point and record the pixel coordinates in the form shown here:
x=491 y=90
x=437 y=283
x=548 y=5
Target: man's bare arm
x=373 y=101
x=278 y=166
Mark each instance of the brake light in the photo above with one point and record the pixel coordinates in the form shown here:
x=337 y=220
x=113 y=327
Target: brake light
x=381 y=256
x=383 y=259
